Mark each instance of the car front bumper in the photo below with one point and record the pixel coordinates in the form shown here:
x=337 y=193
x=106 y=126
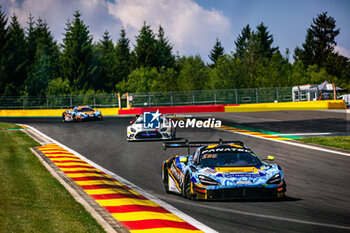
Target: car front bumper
x=89 y=118
x=148 y=135
x=238 y=193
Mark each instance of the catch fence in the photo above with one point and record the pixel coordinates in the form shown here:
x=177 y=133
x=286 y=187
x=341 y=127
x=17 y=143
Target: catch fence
x=171 y=98
x=210 y=97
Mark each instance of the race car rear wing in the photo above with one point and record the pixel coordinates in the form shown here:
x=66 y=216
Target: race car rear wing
x=188 y=144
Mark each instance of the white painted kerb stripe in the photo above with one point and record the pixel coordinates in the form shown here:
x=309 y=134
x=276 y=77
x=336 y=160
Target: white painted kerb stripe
x=300 y=134
x=165 y=205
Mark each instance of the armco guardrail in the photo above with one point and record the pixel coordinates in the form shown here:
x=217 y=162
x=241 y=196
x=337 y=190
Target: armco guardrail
x=310 y=105
x=305 y=105
x=50 y=112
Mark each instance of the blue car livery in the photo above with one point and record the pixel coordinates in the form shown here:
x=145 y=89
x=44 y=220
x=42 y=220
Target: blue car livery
x=81 y=113
x=221 y=170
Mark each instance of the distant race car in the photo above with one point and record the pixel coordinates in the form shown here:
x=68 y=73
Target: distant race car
x=221 y=170
x=81 y=113
x=137 y=131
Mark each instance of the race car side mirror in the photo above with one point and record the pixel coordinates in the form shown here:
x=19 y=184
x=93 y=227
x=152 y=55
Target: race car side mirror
x=132 y=122
x=183 y=159
x=269 y=158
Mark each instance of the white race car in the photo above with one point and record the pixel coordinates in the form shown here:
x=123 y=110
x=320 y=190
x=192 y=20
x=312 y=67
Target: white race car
x=137 y=131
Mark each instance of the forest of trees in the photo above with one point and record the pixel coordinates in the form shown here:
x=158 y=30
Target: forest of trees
x=33 y=63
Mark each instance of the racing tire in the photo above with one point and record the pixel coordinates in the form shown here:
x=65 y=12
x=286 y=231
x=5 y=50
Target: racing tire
x=186 y=188
x=63 y=118
x=166 y=182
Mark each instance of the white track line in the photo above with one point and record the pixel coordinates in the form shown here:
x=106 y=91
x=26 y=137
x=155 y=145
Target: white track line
x=233 y=212
x=299 y=134
x=291 y=143
x=165 y=205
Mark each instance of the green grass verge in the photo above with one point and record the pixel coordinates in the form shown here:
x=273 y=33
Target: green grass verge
x=5 y=126
x=338 y=142
x=31 y=199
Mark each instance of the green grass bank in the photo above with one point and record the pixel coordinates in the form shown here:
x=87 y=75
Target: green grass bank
x=31 y=199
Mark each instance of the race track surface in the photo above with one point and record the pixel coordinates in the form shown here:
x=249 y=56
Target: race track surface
x=318 y=182
x=310 y=123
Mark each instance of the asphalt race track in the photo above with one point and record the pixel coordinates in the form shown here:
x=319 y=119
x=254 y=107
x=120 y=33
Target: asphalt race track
x=318 y=182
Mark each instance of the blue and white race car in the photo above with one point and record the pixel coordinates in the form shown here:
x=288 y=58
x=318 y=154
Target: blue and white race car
x=81 y=113
x=221 y=170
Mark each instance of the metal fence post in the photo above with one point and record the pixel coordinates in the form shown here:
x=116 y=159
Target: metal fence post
x=214 y=96
x=71 y=102
x=94 y=101
x=277 y=97
x=24 y=105
x=236 y=94
x=171 y=98
x=193 y=100
x=149 y=100
x=257 y=95
x=47 y=102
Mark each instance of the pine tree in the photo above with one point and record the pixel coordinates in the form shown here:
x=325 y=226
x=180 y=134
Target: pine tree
x=3 y=30
x=122 y=67
x=3 y=41
x=107 y=62
x=31 y=40
x=307 y=53
x=145 y=51
x=216 y=52
x=251 y=59
x=265 y=41
x=319 y=42
x=15 y=58
x=44 y=63
x=77 y=58
x=242 y=40
x=164 y=50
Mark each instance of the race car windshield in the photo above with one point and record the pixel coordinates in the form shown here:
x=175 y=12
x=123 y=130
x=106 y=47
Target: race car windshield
x=231 y=159
x=140 y=120
x=85 y=110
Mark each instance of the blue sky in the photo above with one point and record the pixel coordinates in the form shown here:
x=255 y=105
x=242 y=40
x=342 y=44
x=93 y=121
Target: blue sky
x=287 y=20
x=191 y=25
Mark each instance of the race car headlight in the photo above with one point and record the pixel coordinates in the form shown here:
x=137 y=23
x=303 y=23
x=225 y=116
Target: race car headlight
x=133 y=130
x=163 y=129
x=274 y=179
x=207 y=181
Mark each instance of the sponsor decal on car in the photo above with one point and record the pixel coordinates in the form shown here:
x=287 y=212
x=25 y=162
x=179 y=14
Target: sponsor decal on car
x=209 y=171
x=179 y=176
x=227 y=149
